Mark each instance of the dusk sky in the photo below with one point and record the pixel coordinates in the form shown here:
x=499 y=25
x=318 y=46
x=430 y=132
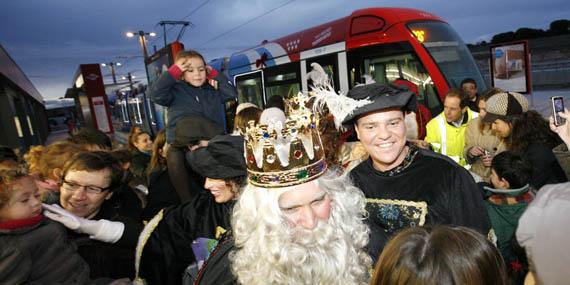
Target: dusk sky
x=48 y=39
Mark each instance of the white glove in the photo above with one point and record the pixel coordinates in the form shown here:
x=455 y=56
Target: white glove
x=102 y=230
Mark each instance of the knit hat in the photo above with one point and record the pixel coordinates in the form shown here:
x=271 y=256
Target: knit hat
x=505 y=106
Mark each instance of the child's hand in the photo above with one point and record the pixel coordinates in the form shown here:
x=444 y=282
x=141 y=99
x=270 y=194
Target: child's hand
x=182 y=63
x=476 y=151
x=211 y=72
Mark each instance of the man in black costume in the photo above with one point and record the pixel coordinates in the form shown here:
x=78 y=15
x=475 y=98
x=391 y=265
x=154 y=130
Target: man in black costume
x=404 y=185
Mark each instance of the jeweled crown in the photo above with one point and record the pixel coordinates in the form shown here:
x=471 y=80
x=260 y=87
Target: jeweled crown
x=280 y=154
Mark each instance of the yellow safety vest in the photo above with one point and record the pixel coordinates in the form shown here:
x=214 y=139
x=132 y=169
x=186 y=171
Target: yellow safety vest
x=447 y=139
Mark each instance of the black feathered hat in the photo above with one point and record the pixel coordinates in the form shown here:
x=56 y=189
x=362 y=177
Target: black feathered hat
x=382 y=96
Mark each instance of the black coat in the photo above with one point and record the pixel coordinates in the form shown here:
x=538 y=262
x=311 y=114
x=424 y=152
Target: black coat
x=161 y=193
x=430 y=190
x=105 y=259
x=139 y=164
x=168 y=249
x=545 y=166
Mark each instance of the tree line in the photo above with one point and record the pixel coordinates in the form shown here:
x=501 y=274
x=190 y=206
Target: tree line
x=558 y=27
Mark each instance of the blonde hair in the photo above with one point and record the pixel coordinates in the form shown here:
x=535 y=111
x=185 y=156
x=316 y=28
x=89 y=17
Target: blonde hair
x=131 y=138
x=43 y=160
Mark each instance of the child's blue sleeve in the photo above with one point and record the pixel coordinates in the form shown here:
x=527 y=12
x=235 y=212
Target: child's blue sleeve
x=160 y=92
x=227 y=89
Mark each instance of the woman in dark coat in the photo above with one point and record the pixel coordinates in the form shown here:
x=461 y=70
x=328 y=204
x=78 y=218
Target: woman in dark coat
x=180 y=237
x=161 y=193
x=526 y=132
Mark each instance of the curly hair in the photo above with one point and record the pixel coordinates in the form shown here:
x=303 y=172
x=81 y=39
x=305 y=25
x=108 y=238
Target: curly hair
x=7 y=179
x=529 y=128
x=266 y=252
x=44 y=160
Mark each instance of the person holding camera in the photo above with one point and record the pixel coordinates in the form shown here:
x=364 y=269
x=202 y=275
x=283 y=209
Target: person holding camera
x=561 y=151
x=526 y=132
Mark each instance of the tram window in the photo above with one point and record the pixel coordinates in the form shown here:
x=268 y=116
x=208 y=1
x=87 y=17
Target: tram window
x=284 y=85
x=250 y=89
x=329 y=64
x=386 y=69
x=449 y=52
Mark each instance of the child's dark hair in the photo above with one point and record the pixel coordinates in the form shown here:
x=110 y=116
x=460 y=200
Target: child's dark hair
x=190 y=53
x=7 y=179
x=513 y=167
x=275 y=101
x=469 y=80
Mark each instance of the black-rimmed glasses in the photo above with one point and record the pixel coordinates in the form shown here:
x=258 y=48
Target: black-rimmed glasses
x=72 y=186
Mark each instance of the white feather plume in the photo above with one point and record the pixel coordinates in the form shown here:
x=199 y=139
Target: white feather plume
x=339 y=105
x=318 y=75
x=368 y=79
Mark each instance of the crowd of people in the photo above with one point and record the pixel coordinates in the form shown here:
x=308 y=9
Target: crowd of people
x=477 y=194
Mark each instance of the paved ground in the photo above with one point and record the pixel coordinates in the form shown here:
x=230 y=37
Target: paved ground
x=57 y=136
x=119 y=138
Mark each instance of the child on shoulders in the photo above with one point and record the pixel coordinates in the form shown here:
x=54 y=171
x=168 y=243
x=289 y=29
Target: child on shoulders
x=191 y=88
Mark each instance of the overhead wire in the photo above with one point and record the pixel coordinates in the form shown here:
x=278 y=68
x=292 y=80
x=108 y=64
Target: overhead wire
x=245 y=23
x=155 y=39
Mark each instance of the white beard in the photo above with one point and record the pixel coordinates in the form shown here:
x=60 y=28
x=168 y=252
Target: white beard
x=323 y=255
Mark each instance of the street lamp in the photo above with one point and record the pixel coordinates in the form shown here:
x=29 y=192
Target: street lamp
x=142 y=40
x=112 y=67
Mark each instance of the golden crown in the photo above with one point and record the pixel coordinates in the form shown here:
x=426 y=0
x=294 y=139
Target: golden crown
x=280 y=154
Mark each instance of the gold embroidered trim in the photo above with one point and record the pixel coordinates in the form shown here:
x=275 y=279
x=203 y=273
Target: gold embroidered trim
x=421 y=205
x=143 y=238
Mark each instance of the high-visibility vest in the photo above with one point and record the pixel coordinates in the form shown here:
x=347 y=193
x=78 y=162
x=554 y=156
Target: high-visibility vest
x=442 y=144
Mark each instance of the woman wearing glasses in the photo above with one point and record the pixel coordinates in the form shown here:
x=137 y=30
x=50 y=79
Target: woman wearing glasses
x=105 y=239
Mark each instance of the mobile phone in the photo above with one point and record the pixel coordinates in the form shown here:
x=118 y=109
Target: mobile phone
x=557 y=106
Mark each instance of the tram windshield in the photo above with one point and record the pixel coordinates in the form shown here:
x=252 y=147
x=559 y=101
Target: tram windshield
x=448 y=51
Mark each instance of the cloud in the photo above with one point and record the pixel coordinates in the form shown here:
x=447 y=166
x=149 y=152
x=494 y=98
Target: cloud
x=49 y=39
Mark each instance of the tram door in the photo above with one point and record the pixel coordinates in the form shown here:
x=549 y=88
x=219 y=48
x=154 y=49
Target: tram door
x=282 y=80
x=250 y=88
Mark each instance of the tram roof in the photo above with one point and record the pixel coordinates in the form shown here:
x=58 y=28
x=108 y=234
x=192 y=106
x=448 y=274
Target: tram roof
x=10 y=69
x=336 y=31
